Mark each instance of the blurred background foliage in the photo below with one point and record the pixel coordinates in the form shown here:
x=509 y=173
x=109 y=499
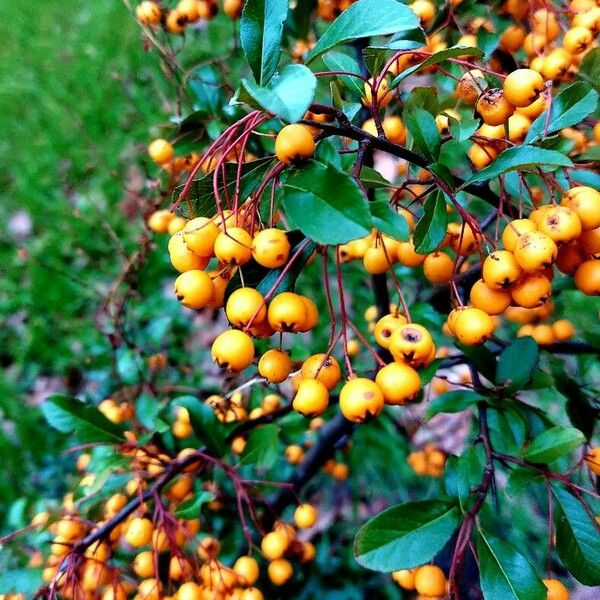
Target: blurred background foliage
x=77 y=97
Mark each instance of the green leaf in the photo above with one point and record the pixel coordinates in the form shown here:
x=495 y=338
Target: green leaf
x=204 y=422
x=86 y=422
x=517 y=362
x=363 y=19
x=326 y=205
x=190 y=509
x=431 y=228
x=147 y=408
x=287 y=96
x=576 y=537
x=373 y=179
x=521 y=478
x=580 y=409
x=437 y=58
x=521 y=158
x=482 y=358
x=388 y=221
x=206 y=85
x=423 y=97
x=589 y=69
x=424 y=132
x=263 y=279
x=338 y=61
x=462 y=130
x=261 y=33
x=262 y=447
x=552 y=444
x=201 y=195
x=452 y=402
x=406 y=535
x=508 y=430
x=504 y=573
x=470 y=468
x=570 y=107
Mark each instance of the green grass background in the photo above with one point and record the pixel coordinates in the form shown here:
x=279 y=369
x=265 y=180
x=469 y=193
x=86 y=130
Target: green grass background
x=78 y=95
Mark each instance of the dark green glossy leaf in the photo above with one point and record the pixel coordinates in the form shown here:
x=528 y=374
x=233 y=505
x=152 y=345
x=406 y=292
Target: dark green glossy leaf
x=338 y=61
x=469 y=474
x=481 y=358
x=424 y=132
x=201 y=195
x=388 y=221
x=452 y=402
x=204 y=422
x=589 y=69
x=86 y=422
x=326 y=205
x=553 y=443
x=406 y=535
x=504 y=573
x=261 y=33
x=363 y=19
x=287 y=96
x=517 y=362
x=521 y=158
x=431 y=228
x=521 y=478
x=373 y=179
x=262 y=447
x=576 y=537
x=570 y=107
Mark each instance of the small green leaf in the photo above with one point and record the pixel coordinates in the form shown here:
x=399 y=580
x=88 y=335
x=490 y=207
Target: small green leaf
x=326 y=205
x=206 y=86
x=262 y=447
x=470 y=467
x=86 y=422
x=373 y=179
x=553 y=443
x=576 y=537
x=406 y=535
x=190 y=508
x=288 y=96
x=570 y=107
x=431 y=228
x=452 y=402
x=507 y=429
x=424 y=132
x=589 y=69
x=147 y=408
x=517 y=362
x=363 y=19
x=204 y=422
x=338 y=61
x=462 y=130
x=521 y=158
x=261 y=33
x=504 y=573
x=200 y=200
x=388 y=221
x=521 y=478
x=482 y=359
x=437 y=58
